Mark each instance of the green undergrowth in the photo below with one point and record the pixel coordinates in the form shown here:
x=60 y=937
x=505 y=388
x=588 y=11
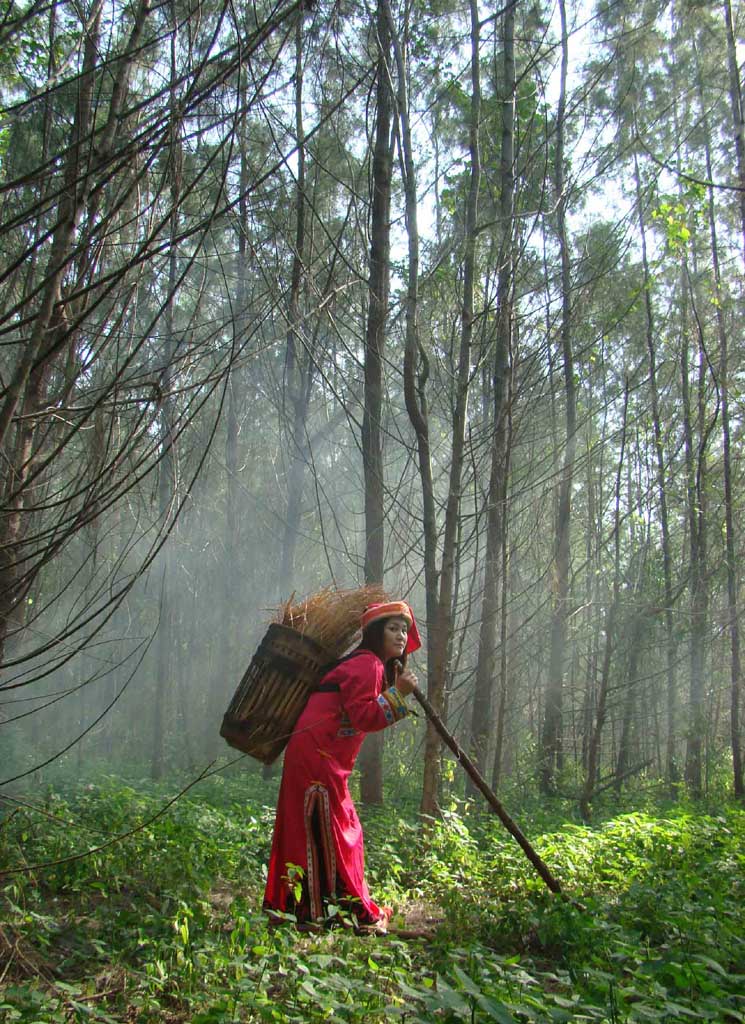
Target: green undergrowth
x=164 y=925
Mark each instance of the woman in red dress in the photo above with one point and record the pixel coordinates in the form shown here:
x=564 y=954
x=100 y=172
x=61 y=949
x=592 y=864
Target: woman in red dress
x=317 y=854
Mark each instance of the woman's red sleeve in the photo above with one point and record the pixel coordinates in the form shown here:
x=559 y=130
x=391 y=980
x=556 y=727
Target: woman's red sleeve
x=361 y=697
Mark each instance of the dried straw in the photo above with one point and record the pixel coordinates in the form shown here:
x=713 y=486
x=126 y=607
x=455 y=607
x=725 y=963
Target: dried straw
x=331 y=617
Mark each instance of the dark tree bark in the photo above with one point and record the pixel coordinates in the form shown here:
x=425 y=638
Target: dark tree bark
x=416 y=364
x=671 y=654
x=371 y=760
x=593 y=754
x=695 y=459
x=738 y=113
x=504 y=686
x=414 y=353
x=167 y=464
x=724 y=394
x=441 y=636
x=298 y=366
x=624 y=759
x=481 y=716
x=235 y=560
x=551 y=739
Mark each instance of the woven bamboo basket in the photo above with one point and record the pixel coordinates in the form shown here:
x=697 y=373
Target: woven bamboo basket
x=283 y=673
x=288 y=665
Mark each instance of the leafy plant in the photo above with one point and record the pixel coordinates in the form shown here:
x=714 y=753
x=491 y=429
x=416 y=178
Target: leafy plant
x=164 y=925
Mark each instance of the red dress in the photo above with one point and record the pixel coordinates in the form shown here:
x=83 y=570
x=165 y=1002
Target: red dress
x=317 y=828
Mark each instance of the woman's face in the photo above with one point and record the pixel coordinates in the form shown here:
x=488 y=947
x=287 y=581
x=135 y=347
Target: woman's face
x=395 y=633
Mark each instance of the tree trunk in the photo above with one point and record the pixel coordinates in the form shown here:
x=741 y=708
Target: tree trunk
x=234 y=564
x=551 y=739
x=298 y=366
x=738 y=113
x=440 y=638
x=695 y=460
x=624 y=762
x=723 y=383
x=414 y=387
x=504 y=603
x=481 y=716
x=371 y=760
x=416 y=364
x=593 y=753
x=167 y=464
x=671 y=653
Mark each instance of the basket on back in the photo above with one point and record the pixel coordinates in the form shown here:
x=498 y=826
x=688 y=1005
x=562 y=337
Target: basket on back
x=288 y=665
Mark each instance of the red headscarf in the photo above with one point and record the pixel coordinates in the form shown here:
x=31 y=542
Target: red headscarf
x=390 y=610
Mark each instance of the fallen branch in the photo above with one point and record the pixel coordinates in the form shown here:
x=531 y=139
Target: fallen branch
x=614 y=780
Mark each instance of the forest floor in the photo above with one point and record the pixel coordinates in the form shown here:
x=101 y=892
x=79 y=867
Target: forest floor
x=164 y=925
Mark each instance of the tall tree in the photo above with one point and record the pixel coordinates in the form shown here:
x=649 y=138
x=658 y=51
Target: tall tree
x=481 y=716
x=660 y=464
x=441 y=634
x=695 y=444
x=723 y=383
x=371 y=764
x=167 y=473
x=551 y=739
x=299 y=368
x=738 y=111
x=598 y=724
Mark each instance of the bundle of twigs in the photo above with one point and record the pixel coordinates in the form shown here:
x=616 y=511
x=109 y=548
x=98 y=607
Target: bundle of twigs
x=331 y=617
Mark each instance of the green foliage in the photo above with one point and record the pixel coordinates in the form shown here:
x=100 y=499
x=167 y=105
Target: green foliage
x=165 y=925
x=677 y=215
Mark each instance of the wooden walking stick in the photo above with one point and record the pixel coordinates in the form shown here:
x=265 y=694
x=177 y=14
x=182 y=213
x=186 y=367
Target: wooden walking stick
x=481 y=783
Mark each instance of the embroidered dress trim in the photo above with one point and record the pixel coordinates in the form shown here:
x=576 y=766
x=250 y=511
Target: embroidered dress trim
x=317 y=803
x=397 y=702
x=393 y=705
x=387 y=709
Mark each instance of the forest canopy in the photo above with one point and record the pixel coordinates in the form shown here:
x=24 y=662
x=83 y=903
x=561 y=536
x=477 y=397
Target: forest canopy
x=444 y=297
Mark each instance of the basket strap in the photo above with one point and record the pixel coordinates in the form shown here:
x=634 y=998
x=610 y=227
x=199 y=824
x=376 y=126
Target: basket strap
x=334 y=687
